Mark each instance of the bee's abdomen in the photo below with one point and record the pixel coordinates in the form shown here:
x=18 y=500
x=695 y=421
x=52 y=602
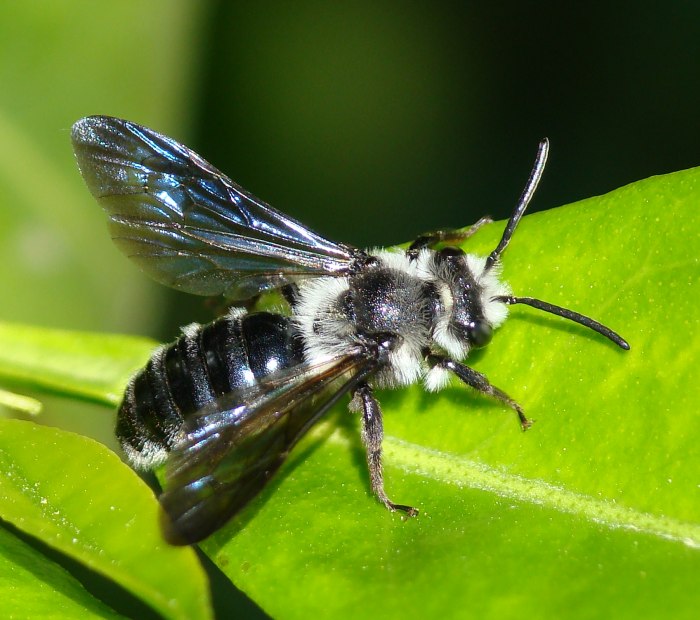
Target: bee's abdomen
x=205 y=363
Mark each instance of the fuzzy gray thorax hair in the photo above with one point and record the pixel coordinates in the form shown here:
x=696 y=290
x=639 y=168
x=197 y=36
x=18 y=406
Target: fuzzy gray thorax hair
x=420 y=300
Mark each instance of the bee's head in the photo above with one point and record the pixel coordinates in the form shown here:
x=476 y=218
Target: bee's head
x=477 y=301
x=471 y=314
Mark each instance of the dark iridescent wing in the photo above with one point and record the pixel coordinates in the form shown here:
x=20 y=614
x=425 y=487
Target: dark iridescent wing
x=188 y=225
x=237 y=444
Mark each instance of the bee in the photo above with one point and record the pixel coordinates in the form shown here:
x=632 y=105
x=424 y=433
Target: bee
x=224 y=404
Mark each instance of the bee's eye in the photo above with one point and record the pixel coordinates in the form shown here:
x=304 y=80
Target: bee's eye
x=479 y=333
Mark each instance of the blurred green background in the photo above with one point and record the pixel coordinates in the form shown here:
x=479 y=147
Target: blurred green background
x=371 y=121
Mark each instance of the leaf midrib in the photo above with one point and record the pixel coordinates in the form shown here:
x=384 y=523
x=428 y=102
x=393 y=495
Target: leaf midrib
x=456 y=470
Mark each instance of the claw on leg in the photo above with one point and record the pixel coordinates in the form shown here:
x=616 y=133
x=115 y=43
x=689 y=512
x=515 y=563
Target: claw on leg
x=372 y=436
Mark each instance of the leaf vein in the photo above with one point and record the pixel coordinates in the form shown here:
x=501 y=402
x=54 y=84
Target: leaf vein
x=462 y=472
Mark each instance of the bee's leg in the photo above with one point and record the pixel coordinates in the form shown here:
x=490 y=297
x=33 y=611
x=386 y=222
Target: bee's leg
x=451 y=236
x=372 y=435
x=479 y=382
x=291 y=293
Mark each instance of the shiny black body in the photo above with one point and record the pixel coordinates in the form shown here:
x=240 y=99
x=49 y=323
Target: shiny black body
x=206 y=363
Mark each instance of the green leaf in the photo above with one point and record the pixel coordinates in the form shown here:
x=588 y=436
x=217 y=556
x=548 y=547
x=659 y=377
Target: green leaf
x=76 y=496
x=91 y=366
x=596 y=508
x=40 y=588
x=594 y=511
x=20 y=403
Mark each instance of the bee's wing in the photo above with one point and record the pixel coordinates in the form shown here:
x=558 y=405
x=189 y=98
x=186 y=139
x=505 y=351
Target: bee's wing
x=237 y=444
x=188 y=225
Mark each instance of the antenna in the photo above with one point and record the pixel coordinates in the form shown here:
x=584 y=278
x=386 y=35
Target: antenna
x=567 y=314
x=525 y=198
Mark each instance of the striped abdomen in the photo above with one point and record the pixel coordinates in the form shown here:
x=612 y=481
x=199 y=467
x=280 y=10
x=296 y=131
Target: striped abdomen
x=205 y=363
